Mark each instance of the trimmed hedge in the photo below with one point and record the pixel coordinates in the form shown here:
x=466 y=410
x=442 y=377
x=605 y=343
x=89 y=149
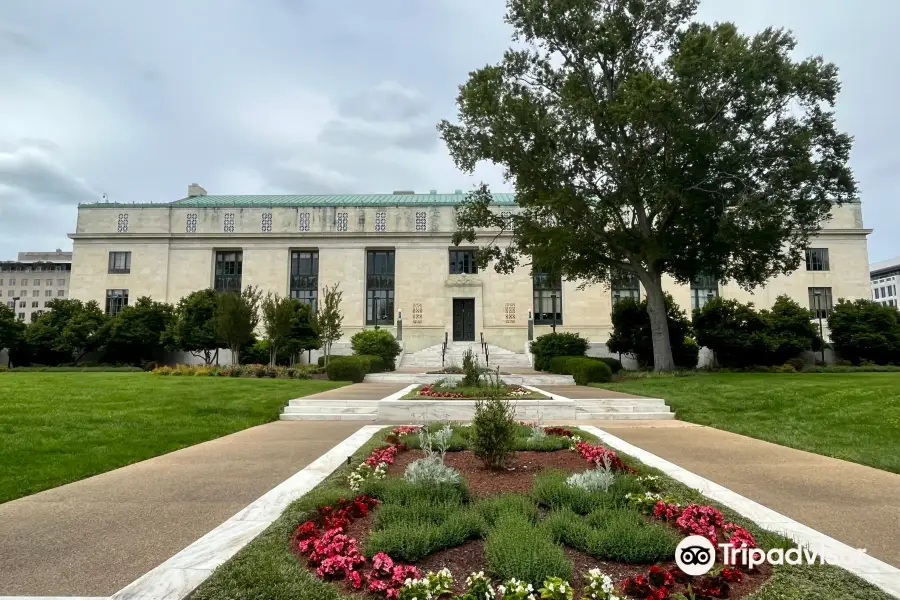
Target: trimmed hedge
x=348 y=368
x=547 y=346
x=585 y=370
x=377 y=342
x=376 y=364
x=614 y=364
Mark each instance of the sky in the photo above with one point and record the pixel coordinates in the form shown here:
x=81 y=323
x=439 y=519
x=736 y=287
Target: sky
x=138 y=99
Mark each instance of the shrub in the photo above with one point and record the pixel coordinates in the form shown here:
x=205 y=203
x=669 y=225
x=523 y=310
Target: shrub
x=471 y=370
x=164 y=370
x=546 y=444
x=515 y=548
x=613 y=534
x=797 y=363
x=493 y=431
x=377 y=342
x=631 y=333
x=545 y=347
x=321 y=361
x=551 y=490
x=412 y=540
x=864 y=330
x=347 y=368
x=559 y=365
x=498 y=507
x=595 y=480
x=586 y=371
x=373 y=363
x=423 y=510
x=403 y=493
x=614 y=364
x=431 y=470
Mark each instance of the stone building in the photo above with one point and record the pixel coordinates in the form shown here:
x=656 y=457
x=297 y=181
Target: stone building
x=885 y=276
x=33 y=279
x=392 y=256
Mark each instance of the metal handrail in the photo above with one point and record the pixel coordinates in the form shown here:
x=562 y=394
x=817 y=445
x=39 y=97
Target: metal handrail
x=443 y=349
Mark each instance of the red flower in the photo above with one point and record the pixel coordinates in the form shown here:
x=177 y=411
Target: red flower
x=666 y=511
x=599 y=454
x=561 y=431
x=732 y=575
x=700 y=520
x=739 y=537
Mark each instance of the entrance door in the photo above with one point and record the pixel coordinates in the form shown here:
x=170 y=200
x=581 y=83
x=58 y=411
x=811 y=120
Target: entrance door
x=463 y=319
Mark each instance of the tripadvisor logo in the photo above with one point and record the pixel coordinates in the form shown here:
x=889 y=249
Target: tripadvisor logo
x=695 y=555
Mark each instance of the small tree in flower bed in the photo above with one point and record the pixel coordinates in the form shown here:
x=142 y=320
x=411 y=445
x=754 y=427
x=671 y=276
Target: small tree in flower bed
x=493 y=432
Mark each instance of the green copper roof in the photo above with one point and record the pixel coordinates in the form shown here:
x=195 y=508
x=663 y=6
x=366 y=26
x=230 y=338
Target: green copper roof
x=335 y=200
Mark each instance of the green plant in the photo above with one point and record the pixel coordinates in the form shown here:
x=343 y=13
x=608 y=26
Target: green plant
x=551 y=490
x=327 y=321
x=236 y=317
x=614 y=364
x=594 y=480
x=797 y=363
x=412 y=540
x=431 y=470
x=516 y=548
x=471 y=370
x=373 y=363
x=497 y=507
x=377 y=342
x=586 y=371
x=493 y=431
x=347 y=368
x=864 y=331
x=555 y=588
x=546 y=346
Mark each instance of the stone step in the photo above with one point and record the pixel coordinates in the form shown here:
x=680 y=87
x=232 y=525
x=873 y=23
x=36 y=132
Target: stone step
x=621 y=416
x=622 y=408
x=323 y=403
x=335 y=410
x=327 y=417
x=599 y=403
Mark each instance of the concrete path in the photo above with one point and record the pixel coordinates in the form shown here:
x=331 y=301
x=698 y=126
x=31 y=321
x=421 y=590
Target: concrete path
x=94 y=536
x=370 y=390
x=855 y=504
x=579 y=391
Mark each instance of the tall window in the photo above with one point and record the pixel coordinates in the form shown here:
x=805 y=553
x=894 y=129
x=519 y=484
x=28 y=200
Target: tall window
x=462 y=261
x=703 y=289
x=116 y=300
x=229 y=267
x=817 y=259
x=305 y=276
x=380 y=287
x=626 y=285
x=119 y=262
x=547 y=299
x=820 y=301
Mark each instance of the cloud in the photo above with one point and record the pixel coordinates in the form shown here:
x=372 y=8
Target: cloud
x=32 y=171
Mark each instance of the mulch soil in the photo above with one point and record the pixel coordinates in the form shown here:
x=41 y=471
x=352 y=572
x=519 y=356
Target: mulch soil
x=518 y=477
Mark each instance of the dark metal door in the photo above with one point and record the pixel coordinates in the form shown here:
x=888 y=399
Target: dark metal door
x=463 y=319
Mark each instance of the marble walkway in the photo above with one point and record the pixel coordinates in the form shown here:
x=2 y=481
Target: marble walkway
x=95 y=536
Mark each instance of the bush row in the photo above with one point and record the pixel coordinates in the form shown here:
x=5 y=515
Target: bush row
x=296 y=372
x=355 y=368
x=71 y=369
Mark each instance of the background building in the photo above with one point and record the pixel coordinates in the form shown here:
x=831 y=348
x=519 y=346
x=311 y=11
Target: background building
x=885 y=276
x=35 y=278
x=392 y=256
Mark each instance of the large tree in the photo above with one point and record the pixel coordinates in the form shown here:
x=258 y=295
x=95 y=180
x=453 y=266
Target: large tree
x=641 y=142
x=278 y=314
x=135 y=335
x=67 y=331
x=12 y=330
x=193 y=326
x=328 y=318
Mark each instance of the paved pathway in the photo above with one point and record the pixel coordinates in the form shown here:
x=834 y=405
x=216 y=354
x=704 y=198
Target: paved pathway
x=580 y=391
x=855 y=504
x=94 y=536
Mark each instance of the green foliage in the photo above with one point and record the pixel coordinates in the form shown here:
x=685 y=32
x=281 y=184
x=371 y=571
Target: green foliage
x=586 y=371
x=471 y=370
x=377 y=342
x=431 y=470
x=548 y=443
x=550 y=490
x=303 y=336
x=420 y=510
x=64 y=333
x=278 y=315
x=497 y=507
x=373 y=364
x=516 y=548
x=411 y=540
x=259 y=351
x=237 y=316
x=864 y=330
x=193 y=326
x=347 y=368
x=614 y=534
x=399 y=491
x=649 y=149
x=741 y=336
x=493 y=431
x=546 y=346
x=614 y=364
x=632 y=333
x=328 y=318
x=135 y=334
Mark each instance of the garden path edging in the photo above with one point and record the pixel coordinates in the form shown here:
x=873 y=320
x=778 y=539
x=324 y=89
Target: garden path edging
x=869 y=568
x=178 y=576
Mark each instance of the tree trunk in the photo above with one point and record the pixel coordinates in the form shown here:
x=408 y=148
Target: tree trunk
x=272 y=353
x=659 y=326
x=235 y=355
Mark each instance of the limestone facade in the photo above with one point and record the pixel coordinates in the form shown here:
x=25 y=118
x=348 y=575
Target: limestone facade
x=173 y=251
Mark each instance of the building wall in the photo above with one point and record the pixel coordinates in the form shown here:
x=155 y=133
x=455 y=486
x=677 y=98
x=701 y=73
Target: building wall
x=45 y=273
x=173 y=253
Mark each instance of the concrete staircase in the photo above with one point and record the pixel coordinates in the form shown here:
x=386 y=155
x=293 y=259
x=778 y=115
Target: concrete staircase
x=622 y=408
x=311 y=409
x=430 y=358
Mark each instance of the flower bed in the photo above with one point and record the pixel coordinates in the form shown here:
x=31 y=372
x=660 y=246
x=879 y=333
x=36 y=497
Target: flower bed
x=435 y=524
x=448 y=392
x=260 y=371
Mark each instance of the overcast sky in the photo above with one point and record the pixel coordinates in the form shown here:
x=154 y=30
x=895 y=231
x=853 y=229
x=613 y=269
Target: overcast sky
x=137 y=98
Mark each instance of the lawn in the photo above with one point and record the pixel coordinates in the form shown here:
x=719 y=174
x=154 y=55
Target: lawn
x=853 y=416
x=60 y=427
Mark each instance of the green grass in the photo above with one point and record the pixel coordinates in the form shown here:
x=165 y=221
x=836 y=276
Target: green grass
x=516 y=548
x=60 y=427
x=852 y=416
